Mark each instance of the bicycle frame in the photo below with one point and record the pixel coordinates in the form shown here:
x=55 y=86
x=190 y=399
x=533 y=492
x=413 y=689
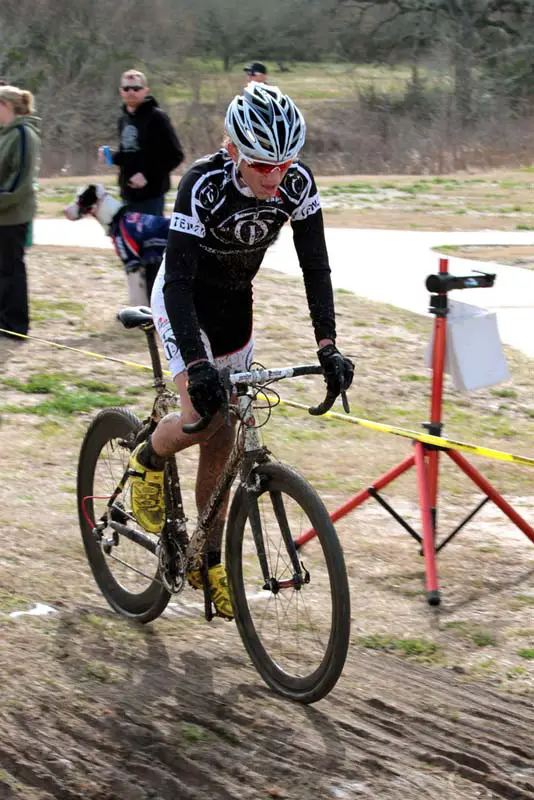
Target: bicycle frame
x=247 y=452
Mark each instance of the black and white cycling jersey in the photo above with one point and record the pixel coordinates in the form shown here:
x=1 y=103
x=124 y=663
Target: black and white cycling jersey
x=218 y=236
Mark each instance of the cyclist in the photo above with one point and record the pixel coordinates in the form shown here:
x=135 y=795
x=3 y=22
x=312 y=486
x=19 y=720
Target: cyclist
x=230 y=206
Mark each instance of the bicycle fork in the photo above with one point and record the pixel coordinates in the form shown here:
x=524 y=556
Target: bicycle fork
x=253 y=485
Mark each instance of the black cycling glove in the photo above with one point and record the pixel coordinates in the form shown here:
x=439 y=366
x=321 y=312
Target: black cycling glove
x=205 y=388
x=338 y=369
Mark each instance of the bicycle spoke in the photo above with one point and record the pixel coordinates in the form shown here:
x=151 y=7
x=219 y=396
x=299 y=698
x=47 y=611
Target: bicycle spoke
x=289 y=620
x=134 y=568
x=126 y=571
x=283 y=523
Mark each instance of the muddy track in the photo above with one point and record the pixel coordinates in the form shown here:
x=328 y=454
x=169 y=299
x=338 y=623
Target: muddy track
x=197 y=727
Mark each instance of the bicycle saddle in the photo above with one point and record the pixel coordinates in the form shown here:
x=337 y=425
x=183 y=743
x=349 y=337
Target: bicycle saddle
x=135 y=316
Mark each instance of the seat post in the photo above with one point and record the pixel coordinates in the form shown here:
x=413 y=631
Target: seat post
x=150 y=332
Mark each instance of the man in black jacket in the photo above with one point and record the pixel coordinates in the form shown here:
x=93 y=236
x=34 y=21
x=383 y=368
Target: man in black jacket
x=149 y=148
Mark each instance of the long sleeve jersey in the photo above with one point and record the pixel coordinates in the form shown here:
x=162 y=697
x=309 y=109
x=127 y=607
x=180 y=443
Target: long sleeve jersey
x=218 y=236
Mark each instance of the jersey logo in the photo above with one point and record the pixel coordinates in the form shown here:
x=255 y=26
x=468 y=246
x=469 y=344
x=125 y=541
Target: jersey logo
x=251 y=227
x=208 y=195
x=310 y=206
x=184 y=224
x=294 y=184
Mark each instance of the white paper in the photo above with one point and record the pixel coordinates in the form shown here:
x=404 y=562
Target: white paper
x=474 y=356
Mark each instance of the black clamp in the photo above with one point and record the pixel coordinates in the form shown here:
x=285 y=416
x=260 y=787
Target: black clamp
x=445 y=282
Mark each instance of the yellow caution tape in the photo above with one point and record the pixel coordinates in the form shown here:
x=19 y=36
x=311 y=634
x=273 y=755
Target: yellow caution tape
x=83 y=352
x=426 y=438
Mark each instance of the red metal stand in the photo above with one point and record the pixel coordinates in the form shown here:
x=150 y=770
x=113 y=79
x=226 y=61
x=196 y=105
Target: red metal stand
x=426 y=457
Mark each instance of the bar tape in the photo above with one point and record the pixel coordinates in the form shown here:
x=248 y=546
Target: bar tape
x=425 y=438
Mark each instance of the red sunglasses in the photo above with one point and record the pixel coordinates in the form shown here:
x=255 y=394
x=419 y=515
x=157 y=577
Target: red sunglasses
x=265 y=169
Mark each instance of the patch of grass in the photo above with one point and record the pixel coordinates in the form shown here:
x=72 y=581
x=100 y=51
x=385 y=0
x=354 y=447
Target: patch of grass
x=102 y=672
x=95 y=386
x=523 y=632
x=64 y=400
x=468 y=630
x=12 y=602
x=517 y=672
x=349 y=188
x=415 y=188
x=447 y=248
x=527 y=653
x=455 y=624
x=40 y=383
x=483 y=639
x=487 y=666
x=66 y=405
x=194 y=733
x=413 y=378
x=525 y=599
x=49 y=428
x=136 y=390
x=504 y=392
x=43 y=310
x=420 y=648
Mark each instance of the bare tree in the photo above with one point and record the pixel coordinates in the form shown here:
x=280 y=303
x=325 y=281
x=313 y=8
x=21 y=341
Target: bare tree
x=470 y=30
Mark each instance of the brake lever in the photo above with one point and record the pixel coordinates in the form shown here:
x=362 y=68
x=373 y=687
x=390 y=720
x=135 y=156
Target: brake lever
x=198 y=426
x=201 y=424
x=328 y=402
x=326 y=405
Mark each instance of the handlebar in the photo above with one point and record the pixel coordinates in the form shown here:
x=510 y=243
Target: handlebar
x=328 y=402
x=259 y=376
x=199 y=426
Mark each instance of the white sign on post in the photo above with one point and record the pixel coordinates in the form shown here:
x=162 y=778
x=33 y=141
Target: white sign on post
x=474 y=356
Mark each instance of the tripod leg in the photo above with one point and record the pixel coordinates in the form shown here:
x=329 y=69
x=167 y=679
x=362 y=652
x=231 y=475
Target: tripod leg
x=429 y=552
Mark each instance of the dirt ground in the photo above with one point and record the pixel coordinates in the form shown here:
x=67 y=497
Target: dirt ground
x=431 y=702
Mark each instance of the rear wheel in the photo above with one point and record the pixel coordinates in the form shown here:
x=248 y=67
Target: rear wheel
x=126 y=573
x=296 y=624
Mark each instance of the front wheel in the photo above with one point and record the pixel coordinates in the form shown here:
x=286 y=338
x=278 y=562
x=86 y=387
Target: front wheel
x=293 y=613
x=126 y=573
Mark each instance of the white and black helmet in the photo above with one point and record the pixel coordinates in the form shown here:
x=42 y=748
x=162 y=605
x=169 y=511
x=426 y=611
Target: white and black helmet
x=265 y=125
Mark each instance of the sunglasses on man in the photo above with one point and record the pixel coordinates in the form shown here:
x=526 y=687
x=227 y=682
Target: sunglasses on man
x=132 y=88
x=262 y=167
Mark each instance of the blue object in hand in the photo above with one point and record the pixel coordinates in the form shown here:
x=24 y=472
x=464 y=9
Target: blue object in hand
x=106 y=152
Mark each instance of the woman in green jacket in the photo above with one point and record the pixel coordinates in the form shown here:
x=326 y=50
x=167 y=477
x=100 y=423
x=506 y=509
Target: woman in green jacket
x=19 y=160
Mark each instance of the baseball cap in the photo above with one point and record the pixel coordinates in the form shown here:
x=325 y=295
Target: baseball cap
x=255 y=68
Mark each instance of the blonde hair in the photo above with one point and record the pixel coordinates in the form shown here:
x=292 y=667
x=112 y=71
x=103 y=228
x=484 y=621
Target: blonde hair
x=134 y=74
x=20 y=99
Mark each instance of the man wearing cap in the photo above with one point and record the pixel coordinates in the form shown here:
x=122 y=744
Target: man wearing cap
x=256 y=71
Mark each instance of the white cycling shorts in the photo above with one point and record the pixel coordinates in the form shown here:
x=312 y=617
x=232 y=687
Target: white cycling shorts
x=238 y=361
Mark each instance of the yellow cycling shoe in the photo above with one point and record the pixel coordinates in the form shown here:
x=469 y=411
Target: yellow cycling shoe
x=148 y=498
x=218 y=589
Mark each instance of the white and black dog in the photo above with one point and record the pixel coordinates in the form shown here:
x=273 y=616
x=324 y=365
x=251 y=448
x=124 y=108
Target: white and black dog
x=139 y=239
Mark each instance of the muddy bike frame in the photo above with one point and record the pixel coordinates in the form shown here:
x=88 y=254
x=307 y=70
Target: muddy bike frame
x=246 y=452
x=426 y=457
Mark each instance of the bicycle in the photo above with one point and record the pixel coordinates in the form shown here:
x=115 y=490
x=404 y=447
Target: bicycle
x=292 y=608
